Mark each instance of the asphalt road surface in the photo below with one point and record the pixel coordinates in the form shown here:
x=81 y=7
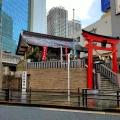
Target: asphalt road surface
x=36 y=113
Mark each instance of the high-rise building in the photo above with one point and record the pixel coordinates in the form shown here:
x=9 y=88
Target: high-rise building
x=115 y=21
x=57 y=22
x=73 y=26
x=14 y=17
x=38 y=16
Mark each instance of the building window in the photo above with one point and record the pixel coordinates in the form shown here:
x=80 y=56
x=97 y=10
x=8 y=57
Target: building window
x=78 y=39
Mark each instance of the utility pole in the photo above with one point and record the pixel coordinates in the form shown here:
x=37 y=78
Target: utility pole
x=68 y=63
x=73 y=32
x=73 y=25
x=68 y=77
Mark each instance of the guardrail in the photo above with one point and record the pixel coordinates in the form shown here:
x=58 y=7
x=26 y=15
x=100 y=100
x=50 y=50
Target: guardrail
x=56 y=64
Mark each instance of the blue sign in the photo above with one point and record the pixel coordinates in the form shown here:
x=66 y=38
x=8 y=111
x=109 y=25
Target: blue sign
x=105 y=5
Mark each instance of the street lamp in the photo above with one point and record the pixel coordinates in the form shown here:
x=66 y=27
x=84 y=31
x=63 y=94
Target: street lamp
x=69 y=54
x=69 y=77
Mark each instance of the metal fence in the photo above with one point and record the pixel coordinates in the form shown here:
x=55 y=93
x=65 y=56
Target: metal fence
x=42 y=96
x=101 y=98
x=84 y=98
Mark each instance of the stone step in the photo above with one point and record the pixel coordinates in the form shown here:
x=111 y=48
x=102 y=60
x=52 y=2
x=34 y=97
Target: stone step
x=109 y=103
x=107 y=86
x=111 y=86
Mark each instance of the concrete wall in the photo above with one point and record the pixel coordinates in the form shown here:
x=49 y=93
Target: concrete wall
x=53 y=78
x=115 y=24
x=102 y=26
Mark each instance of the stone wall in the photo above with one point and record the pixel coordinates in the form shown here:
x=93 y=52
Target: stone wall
x=10 y=81
x=57 y=78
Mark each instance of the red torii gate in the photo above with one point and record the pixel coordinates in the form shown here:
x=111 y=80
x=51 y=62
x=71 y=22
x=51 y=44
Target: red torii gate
x=91 y=38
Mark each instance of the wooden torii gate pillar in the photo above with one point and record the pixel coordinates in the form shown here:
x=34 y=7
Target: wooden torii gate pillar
x=91 y=38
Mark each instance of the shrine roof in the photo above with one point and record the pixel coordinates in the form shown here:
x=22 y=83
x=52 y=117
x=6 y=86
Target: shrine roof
x=27 y=39
x=37 y=39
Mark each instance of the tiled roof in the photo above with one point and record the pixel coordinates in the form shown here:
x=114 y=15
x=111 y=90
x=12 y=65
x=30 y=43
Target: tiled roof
x=31 y=38
x=50 y=42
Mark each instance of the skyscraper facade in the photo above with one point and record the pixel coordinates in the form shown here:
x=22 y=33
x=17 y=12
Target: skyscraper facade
x=73 y=26
x=14 y=17
x=38 y=16
x=57 y=22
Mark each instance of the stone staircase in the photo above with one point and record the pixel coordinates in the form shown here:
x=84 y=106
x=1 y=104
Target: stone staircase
x=106 y=84
x=107 y=91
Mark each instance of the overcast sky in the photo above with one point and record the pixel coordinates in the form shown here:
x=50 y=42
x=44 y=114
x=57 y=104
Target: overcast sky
x=86 y=11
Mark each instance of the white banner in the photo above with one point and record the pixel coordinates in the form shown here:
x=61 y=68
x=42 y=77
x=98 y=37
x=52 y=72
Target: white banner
x=24 y=79
x=117 y=5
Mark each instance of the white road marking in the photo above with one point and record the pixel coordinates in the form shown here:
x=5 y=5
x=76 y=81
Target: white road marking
x=81 y=111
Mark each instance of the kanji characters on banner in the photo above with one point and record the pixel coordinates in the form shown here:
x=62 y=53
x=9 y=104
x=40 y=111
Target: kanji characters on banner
x=66 y=51
x=44 y=53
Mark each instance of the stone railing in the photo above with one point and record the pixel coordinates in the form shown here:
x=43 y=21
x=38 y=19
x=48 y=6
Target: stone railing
x=108 y=73
x=56 y=64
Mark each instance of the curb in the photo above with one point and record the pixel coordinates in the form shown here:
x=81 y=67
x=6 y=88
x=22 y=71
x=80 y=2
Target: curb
x=112 y=110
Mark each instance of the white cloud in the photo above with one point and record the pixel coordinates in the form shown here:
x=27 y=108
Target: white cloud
x=81 y=7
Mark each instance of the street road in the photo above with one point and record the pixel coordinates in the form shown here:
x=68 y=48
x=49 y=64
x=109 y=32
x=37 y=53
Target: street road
x=36 y=113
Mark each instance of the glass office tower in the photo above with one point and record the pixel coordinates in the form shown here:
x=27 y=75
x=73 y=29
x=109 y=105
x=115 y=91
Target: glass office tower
x=38 y=21
x=14 y=17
